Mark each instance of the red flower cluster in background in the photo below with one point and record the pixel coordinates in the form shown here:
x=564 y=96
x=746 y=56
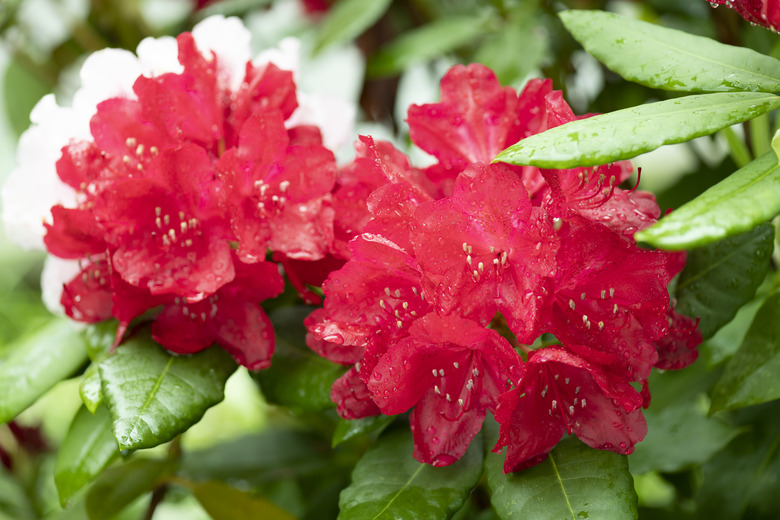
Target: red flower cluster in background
x=182 y=191
x=448 y=250
x=761 y=12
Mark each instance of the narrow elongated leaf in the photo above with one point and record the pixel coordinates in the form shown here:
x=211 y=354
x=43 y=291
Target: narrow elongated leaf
x=36 y=363
x=223 y=502
x=753 y=374
x=721 y=277
x=87 y=449
x=575 y=482
x=118 y=487
x=346 y=430
x=298 y=377
x=670 y=59
x=438 y=37
x=347 y=19
x=626 y=133
x=388 y=483
x=153 y=395
x=748 y=197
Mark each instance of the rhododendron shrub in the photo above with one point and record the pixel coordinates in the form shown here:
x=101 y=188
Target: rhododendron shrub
x=550 y=251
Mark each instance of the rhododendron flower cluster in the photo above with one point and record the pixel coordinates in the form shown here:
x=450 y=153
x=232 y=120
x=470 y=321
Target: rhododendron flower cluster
x=186 y=177
x=460 y=266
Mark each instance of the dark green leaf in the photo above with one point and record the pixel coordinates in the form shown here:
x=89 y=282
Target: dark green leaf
x=720 y=278
x=429 y=41
x=575 y=482
x=298 y=378
x=346 y=430
x=389 y=484
x=669 y=59
x=87 y=449
x=626 y=133
x=753 y=374
x=36 y=363
x=223 y=502
x=679 y=433
x=153 y=395
x=118 y=487
x=265 y=457
x=347 y=19
x=748 y=197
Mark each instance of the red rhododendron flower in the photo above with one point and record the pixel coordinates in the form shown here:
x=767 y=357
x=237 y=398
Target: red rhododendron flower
x=563 y=393
x=762 y=12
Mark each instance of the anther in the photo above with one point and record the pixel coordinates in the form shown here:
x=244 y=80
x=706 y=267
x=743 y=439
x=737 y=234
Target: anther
x=455 y=364
x=571 y=304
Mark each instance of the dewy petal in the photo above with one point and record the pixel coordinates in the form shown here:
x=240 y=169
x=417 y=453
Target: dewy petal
x=761 y=12
x=87 y=297
x=678 y=348
x=74 y=234
x=562 y=392
x=471 y=122
x=352 y=398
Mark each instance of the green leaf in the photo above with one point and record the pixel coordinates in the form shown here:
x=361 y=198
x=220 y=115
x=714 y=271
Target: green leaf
x=776 y=144
x=522 y=32
x=388 y=483
x=629 y=132
x=429 y=41
x=347 y=19
x=118 y=487
x=298 y=378
x=669 y=59
x=100 y=338
x=748 y=197
x=22 y=90
x=753 y=374
x=87 y=449
x=153 y=395
x=720 y=278
x=575 y=482
x=14 y=502
x=679 y=433
x=89 y=387
x=223 y=502
x=346 y=430
x=36 y=363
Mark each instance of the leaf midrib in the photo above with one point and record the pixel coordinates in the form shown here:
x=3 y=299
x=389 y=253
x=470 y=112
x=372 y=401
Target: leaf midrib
x=398 y=493
x=156 y=386
x=563 y=488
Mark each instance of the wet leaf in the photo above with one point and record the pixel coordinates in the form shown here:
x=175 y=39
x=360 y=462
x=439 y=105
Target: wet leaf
x=87 y=449
x=223 y=502
x=37 y=362
x=153 y=395
x=346 y=430
x=118 y=487
x=669 y=59
x=748 y=197
x=429 y=41
x=629 y=132
x=719 y=278
x=347 y=19
x=753 y=374
x=575 y=482
x=89 y=388
x=388 y=483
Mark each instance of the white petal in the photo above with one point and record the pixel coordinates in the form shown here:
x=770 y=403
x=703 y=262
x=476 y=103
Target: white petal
x=106 y=74
x=56 y=273
x=286 y=56
x=334 y=116
x=229 y=40
x=159 y=55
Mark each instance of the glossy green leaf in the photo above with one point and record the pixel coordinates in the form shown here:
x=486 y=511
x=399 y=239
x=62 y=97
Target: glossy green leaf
x=669 y=59
x=629 y=132
x=298 y=378
x=347 y=19
x=679 y=433
x=100 y=338
x=429 y=41
x=87 y=449
x=223 y=502
x=89 y=388
x=748 y=197
x=346 y=430
x=575 y=482
x=118 y=487
x=388 y=483
x=153 y=395
x=720 y=278
x=36 y=363
x=753 y=374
